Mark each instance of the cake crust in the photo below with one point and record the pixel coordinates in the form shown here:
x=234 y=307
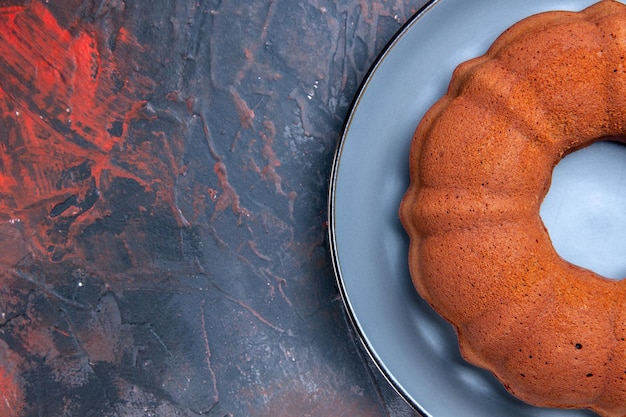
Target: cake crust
x=481 y=162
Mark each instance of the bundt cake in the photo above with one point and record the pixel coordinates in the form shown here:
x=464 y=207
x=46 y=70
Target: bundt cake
x=481 y=162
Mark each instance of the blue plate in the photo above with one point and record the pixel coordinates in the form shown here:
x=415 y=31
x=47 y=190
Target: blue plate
x=414 y=348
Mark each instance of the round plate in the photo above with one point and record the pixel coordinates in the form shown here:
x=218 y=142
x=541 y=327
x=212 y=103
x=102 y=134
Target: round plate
x=414 y=348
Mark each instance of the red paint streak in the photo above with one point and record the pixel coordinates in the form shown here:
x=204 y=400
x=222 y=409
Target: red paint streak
x=269 y=171
x=58 y=77
x=246 y=115
x=281 y=284
x=256 y=251
x=235 y=140
x=255 y=314
x=67 y=100
x=207 y=349
x=291 y=198
x=252 y=166
x=11 y=11
x=62 y=332
x=11 y=397
x=57 y=94
x=228 y=197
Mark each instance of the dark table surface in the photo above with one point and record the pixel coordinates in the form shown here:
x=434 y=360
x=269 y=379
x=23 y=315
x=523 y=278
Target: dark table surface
x=164 y=169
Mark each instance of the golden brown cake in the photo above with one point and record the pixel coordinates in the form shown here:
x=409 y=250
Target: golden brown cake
x=481 y=163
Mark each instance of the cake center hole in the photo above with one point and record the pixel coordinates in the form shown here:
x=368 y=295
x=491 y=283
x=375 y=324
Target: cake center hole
x=585 y=209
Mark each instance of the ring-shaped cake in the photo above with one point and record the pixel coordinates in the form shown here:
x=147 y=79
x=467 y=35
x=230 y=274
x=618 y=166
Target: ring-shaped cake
x=481 y=163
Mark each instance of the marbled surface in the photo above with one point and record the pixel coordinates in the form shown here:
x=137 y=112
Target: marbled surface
x=164 y=169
